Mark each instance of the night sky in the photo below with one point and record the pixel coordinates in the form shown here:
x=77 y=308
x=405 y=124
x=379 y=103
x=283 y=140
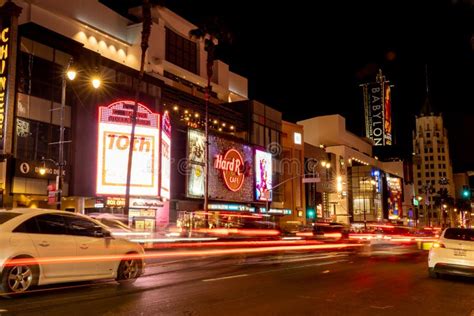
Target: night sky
x=308 y=58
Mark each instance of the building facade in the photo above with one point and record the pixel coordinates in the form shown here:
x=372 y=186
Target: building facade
x=100 y=42
x=432 y=167
x=292 y=172
x=367 y=190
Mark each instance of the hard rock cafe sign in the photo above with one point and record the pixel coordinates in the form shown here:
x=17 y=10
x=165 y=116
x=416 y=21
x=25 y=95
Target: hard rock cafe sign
x=232 y=166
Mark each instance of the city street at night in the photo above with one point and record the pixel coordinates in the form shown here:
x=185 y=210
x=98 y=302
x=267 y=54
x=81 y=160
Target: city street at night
x=309 y=283
x=236 y=158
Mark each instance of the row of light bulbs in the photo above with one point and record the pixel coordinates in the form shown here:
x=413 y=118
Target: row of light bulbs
x=188 y=116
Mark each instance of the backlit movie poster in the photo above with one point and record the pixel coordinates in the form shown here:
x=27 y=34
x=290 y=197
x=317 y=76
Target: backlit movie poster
x=196 y=152
x=263 y=175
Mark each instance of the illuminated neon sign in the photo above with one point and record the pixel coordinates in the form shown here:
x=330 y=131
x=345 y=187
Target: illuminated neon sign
x=113 y=147
x=165 y=156
x=232 y=165
x=4 y=38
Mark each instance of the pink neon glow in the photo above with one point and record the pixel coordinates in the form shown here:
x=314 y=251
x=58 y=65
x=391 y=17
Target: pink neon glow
x=237 y=243
x=239 y=231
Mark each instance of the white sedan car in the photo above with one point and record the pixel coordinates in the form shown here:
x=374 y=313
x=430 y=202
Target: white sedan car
x=45 y=246
x=453 y=253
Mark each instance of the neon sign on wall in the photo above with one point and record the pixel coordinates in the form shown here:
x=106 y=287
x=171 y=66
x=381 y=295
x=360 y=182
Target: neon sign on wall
x=113 y=146
x=165 y=156
x=231 y=164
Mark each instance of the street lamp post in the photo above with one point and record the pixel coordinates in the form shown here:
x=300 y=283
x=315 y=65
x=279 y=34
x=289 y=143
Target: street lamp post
x=70 y=73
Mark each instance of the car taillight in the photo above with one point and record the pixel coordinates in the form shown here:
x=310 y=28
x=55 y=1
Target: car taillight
x=438 y=245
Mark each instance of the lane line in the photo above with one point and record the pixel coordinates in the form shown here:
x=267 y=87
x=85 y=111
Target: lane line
x=227 y=277
x=274 y=270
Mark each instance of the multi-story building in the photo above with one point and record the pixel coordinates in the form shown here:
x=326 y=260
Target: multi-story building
x=366 y=189
x=432 y=167
x=320 y=168
x=292 y=172
x=98 y=41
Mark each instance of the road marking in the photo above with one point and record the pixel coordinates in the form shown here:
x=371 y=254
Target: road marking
x=290 y=259
x=227 y=277
x=381 y=307
x=275 y=270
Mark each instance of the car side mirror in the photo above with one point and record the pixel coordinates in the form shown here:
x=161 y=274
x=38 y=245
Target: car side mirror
x=102 y=233
x=106 y=234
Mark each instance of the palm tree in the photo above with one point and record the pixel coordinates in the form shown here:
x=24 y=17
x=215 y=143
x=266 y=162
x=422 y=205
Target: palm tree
x=146 y=30
x=212 y=33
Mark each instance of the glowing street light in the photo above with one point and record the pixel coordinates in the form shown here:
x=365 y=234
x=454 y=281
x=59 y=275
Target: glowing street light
x=71 y=73
x=96 y=82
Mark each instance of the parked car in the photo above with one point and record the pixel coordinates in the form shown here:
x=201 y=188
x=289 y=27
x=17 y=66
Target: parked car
x=453 y=253
x=45 y=247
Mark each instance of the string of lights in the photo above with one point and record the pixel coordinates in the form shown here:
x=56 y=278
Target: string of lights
x=194 y=119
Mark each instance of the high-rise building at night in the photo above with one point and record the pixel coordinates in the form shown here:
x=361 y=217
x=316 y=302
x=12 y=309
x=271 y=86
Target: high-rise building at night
x=432 y=167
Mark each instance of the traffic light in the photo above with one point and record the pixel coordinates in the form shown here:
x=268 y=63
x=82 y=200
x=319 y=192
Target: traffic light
x=310 y=213
x=466 y=192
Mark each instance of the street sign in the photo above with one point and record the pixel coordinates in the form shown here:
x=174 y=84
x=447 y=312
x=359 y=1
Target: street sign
x=311 y=180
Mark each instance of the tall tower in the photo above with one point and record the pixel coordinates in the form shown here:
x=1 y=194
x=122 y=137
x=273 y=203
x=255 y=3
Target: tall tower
x=432 y=168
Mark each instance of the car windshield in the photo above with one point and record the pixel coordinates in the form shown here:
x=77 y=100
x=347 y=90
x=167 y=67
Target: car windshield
x=6 y=216
x=459 y=234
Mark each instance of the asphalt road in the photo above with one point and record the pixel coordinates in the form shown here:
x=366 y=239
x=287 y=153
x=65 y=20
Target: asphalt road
x=292 y=283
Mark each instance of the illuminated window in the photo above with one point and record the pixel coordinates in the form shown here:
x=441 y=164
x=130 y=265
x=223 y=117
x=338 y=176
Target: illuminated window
x=297 y=138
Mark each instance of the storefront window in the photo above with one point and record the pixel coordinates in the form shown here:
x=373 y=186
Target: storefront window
x=367 y=204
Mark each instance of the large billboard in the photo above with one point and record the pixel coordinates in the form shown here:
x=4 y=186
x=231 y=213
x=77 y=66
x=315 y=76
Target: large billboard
x=263 y=176
x=196 y=163
x=378 y=117
x=165 y=156
x=231 y=175
x=113 y=147
x=394 y=199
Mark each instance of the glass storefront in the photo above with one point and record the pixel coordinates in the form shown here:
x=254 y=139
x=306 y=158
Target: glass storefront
x=366 y=194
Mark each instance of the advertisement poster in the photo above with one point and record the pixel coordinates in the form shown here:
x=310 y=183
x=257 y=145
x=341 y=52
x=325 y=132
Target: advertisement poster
x=231 y=175
x=263 y=175
x=387 y=114
x=394 y=186
x=375 y=114
x=113 y=147
x=196 y=152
